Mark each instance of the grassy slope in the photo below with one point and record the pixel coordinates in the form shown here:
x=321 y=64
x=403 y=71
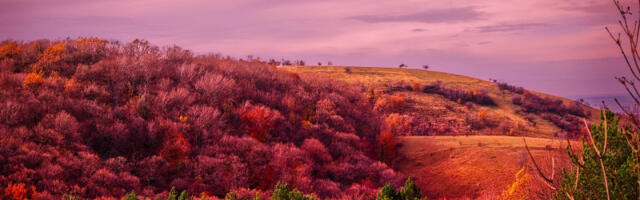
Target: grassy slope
x=460 y=167
x=435 y=105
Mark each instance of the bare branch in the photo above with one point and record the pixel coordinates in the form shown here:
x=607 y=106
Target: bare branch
x=548 y=181
x=595 y=148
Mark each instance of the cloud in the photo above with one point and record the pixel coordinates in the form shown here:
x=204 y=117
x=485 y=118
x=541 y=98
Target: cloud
x=418 y=30
x=508 y=27
x=447 y=15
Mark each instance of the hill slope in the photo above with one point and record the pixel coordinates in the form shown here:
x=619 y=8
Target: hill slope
x=446 y=116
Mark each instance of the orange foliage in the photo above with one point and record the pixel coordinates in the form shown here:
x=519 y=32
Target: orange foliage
x=393 y=103
x=32 y=80
x=18 y=192
x=176 y=149
x=50 y=56
x=260 y=121
x=483 y=115
x=72 y=86
x=10 y=50
x=184 y=119
x=90 y=42
x=519 y=189
x=397 y=124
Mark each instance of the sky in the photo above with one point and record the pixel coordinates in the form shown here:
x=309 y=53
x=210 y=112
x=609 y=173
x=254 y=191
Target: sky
x=556 y=47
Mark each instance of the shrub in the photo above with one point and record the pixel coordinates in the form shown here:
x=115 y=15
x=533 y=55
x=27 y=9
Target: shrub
x=460 y=96
x=511 y=88
x=392 y=103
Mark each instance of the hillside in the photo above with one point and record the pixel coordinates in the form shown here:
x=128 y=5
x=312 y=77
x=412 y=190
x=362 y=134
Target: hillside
x=477 y=167
x=96 y=119
x=93 y=119
x=449 y=117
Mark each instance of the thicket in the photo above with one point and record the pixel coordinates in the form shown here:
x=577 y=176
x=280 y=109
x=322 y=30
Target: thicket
x=98 y=119
x=461 y=96
x=511 y=88
x=565 y=116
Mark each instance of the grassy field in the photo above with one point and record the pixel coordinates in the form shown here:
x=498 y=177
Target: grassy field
x=475 y=167
x=439 y=109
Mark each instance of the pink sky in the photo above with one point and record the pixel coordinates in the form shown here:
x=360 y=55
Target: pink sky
x=558 y=47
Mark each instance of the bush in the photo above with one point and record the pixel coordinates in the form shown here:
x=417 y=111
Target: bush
x=458 y=95
x=511 y=88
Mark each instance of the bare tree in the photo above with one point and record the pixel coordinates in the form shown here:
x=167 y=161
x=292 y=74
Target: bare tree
x=627 y=42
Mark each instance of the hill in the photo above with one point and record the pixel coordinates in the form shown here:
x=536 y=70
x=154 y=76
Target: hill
x=537 y=115
x=94 y=119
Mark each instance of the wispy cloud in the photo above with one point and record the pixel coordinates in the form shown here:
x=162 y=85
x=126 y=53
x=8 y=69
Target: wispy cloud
x=447 y=15
x=508 y=27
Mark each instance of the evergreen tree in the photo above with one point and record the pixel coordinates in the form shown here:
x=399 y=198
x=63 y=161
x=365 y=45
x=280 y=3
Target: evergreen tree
x=388 y=192
x=172 y=194
x=231 y=196
x=184 y=195
x=617 y=159
x=131 y=196
x=410 y=190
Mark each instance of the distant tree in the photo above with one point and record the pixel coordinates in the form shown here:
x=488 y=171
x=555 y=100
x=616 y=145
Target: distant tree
x=425 y=67
x=347 y=70
x=402 y=66
x=319 y=63
x=329 y=63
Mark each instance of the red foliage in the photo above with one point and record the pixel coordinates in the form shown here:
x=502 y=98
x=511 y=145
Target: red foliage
x=176 y=149
x=260 y=120
x=18 y=191
x=388 y=145
x=105 y=118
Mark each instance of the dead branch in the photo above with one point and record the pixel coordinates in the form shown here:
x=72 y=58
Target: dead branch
x=548 y=181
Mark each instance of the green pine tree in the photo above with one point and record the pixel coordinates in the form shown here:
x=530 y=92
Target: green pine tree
x=131 y=196
x=231 y=196
x=388 y=192
x=172 y=194
x=184 y=195
x=410 y=190
x=618 y=159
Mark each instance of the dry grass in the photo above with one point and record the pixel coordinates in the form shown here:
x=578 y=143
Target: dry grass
x=441 y=110
x=473 y=167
